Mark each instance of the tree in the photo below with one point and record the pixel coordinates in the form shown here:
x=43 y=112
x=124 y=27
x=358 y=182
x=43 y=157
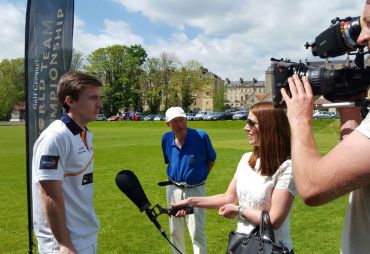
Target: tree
x=77 y=61
x=219 y=97
x=119 y=67
x=187 y=82
x=11 y=85
x=151 y=84
x=168 y=66
x=156 y=81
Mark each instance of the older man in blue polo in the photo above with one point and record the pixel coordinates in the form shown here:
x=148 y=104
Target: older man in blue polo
x=190 y=157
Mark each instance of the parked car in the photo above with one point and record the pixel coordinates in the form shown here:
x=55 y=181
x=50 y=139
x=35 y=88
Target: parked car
x=134 y=116
x=159 y=117
x=323 y=115
x=210 y=116
x=115 y=118
x=149 y=118
x=101 y=117
x=199 y=115
x=190 y=116
x=241 y=115
x=335 y=114
x=227 y=115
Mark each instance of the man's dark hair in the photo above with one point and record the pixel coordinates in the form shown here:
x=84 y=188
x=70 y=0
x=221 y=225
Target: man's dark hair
x=72 y=84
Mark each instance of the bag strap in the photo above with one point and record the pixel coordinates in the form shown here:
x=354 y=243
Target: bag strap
x=265 y=224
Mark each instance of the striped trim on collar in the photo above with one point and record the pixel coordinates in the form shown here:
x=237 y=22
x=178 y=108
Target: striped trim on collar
x=72 y=125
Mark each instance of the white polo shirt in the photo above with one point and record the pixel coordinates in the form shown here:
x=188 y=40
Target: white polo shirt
x=60 y=154
x=356 y=230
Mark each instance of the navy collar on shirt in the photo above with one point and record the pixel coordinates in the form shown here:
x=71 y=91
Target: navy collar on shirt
x=72 y=125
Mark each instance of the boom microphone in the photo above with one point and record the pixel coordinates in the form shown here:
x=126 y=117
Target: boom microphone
x=128 y=183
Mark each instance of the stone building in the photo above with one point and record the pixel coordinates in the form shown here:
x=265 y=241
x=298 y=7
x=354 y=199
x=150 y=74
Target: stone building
x=204 y=100
x=242 y=94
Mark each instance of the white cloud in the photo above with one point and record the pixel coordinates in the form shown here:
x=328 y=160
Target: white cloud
x=12 y=20
x=238 y=38
x=232 y=38
x=113 y=32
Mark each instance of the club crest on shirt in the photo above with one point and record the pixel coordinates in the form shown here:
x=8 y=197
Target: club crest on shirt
x=49 y=162
x=192 y=159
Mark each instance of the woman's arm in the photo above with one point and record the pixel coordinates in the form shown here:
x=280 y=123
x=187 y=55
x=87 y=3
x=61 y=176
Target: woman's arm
x=281 y=202
x=215 y=201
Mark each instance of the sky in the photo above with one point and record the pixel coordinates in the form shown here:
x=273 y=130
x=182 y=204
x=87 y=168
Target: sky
x=233 y=39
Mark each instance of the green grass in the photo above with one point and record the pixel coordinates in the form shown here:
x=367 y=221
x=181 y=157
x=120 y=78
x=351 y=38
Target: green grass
x=136 y=146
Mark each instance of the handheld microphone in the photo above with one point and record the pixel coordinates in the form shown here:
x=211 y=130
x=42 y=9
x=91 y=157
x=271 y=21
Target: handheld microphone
x=173 y=210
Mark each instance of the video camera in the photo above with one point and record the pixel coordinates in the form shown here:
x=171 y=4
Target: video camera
x=339 y=84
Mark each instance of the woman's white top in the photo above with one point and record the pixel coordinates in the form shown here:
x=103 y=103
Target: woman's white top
x=255 y=192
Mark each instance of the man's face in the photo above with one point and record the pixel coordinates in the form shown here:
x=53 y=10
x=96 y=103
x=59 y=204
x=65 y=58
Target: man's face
x=364 y=37
x=178 y=125
x=88 y=105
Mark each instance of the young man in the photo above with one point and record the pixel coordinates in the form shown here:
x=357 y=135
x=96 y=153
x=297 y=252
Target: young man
x=190 y=158
x=344 y=169
x=62 y=172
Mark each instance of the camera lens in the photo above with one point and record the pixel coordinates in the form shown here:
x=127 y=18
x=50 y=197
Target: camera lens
x=350 y=31
x=338 y=39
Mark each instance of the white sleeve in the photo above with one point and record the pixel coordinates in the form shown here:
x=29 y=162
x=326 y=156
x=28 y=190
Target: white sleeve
x=49 y=157
x=284 y=178
x=364 y=127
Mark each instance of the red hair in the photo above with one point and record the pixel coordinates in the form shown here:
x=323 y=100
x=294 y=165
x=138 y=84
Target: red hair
x=274 y=136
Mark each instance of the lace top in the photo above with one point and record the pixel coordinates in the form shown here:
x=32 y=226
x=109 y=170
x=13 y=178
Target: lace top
x=255 y=191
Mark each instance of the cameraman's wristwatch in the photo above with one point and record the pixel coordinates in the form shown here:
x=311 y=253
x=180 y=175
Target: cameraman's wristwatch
x=240 y=213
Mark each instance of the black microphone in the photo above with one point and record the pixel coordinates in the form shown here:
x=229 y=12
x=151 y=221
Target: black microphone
x=128 y=183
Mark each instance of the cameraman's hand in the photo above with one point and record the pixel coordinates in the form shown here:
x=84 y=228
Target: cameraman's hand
x=300 y=105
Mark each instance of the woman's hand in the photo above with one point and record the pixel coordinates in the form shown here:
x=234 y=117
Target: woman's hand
x=228 y=211
x=181 y=203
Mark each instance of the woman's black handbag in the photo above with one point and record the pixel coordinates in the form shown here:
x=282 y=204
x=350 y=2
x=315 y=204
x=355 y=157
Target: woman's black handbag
x=254 y=243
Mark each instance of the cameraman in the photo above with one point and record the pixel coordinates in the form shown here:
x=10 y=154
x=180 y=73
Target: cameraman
x=346 y=168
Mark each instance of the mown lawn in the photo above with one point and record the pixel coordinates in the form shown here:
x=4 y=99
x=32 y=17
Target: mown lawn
x=136 y=146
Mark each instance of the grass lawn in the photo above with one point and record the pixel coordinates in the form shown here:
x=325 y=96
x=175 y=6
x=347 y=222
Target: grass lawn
x=136 y=146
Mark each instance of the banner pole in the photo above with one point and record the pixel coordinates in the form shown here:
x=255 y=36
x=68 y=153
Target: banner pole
x=28 y=169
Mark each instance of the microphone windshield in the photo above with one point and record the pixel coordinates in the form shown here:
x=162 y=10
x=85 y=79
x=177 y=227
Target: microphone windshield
x=128 y=183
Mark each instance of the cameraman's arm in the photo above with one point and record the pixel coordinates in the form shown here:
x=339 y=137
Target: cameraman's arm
x=350 y=118
x=320 y=179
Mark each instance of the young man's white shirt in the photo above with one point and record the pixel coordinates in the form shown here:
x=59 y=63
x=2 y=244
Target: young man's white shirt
x=61 y=154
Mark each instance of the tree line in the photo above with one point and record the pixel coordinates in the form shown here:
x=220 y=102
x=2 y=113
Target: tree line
x=132 y=80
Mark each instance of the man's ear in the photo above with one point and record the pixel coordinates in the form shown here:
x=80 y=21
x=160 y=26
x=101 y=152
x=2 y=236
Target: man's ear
x=69 y=100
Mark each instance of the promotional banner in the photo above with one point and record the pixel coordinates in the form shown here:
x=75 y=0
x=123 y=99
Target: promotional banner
x=48 y=53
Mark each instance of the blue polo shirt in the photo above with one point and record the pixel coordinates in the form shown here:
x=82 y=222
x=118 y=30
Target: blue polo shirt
x=190 y=163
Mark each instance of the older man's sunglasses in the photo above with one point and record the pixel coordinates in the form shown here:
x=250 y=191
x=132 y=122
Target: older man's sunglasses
x=251 y=123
